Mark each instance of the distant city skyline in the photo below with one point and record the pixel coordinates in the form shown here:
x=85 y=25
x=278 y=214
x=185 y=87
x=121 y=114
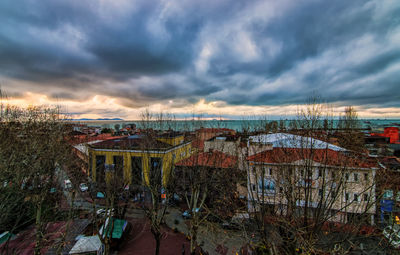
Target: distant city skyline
x=218 y=59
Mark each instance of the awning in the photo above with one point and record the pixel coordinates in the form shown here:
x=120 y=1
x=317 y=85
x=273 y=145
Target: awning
x=5 y=236
x=86 y=244
x=118 y=228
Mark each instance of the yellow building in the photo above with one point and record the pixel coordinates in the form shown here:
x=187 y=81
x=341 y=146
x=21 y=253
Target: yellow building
x=137 y=158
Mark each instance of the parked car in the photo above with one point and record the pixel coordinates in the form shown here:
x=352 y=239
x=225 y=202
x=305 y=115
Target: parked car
x=240 y=217
x=67 y=184
x=103 y=212
x=392 y=234
x=83 y=187
x=100 y=195
x=187 y=215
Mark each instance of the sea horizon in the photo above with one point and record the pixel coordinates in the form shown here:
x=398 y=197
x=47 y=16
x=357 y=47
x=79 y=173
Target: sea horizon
x=238 y=125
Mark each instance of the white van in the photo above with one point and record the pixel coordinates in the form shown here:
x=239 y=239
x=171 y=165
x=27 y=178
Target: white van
x=67 y=184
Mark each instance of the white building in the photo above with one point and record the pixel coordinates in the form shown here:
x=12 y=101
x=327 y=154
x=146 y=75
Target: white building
x=303 y=172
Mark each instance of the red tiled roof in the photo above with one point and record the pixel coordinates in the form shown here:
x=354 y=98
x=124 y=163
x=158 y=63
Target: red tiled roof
x=198 y=144
x=323 y=156
x=214 y=159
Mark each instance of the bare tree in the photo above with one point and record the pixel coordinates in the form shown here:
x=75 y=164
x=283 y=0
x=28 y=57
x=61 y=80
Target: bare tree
x=349 y=131
x=157 y=190
x=33 y=148
x=109 y=193
x=301 y=183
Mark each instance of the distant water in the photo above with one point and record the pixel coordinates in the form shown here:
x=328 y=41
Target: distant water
x=238 y=125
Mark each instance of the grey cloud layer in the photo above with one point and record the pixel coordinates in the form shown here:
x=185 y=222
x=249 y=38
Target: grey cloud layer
x=251 y=52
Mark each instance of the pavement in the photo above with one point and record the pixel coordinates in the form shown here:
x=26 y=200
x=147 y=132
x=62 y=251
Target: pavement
x=211 y=237
x=141 y=240
x=79 y=200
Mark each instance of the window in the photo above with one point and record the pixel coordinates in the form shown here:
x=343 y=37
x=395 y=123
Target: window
x=306 y=183
x=269 y=171
x=355 y=176
x=319 y=172
x=347 y=197
x=136 y=168
x=365 y=197
x=356 y=197
x=119 y=165
x=156 y=172
x=100 y=168
x=366 y=177
x=320 y=192
x=109 y=167
x=90 y=165
x=267 y=186
x=347 y=176
x=333 y=175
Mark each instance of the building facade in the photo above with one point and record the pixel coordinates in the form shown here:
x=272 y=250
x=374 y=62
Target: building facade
x=330 y=183
x=138 y=158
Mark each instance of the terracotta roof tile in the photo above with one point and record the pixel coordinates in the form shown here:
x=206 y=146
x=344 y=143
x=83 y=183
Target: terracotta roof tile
x=199 y=144
x=214 y=159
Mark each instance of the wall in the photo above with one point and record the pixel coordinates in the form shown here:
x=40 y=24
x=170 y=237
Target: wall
x=281 y=173
x=168 y=160
x=172 y=140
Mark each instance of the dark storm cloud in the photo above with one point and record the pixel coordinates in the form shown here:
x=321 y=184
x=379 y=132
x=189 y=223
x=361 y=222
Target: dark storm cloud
x=251 y=53
x=128 y=50
x=169 y=90
x=113 y=51
x=306 y=32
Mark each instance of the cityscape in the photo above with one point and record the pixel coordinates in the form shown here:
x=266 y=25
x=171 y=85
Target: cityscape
x=199 y=127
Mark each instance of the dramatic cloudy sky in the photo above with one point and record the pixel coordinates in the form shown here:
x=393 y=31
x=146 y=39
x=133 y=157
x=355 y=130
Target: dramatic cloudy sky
x=114 y=58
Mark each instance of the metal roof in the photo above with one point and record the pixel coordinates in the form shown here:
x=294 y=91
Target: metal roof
x=284 y=140
x=86 y=244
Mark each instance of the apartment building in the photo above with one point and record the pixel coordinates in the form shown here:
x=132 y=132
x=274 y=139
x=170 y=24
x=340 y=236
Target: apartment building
x=301 y=172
